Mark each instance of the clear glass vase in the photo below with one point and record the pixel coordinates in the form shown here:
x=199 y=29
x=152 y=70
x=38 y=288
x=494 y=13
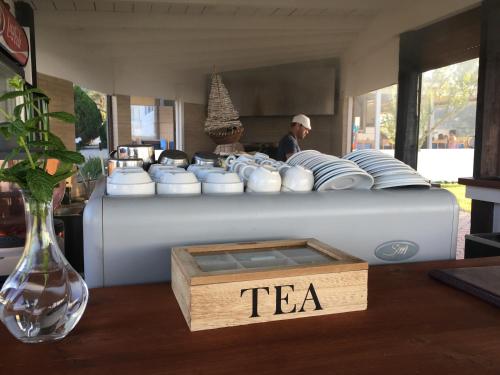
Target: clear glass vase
x=44 y=297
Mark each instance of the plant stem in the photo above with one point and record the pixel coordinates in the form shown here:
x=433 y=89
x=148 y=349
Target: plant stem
x=6 y=115
x=45 y=122
x=28 y=154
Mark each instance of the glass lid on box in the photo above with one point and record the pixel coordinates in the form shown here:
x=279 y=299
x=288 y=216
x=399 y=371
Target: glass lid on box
x=260 y=259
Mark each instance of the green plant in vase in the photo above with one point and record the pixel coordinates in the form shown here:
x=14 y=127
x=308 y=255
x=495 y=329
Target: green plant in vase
x=44 y=298
x=89 y=173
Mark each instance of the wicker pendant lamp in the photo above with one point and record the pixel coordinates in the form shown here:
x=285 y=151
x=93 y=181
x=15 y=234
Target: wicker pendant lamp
x=222 y=123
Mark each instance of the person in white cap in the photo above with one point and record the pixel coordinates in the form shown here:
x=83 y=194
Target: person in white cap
x=289 y=145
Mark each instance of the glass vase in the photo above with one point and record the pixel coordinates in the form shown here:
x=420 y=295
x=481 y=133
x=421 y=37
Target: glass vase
x=44 y=297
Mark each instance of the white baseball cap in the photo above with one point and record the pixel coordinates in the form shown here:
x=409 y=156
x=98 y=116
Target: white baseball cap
x=302 y=120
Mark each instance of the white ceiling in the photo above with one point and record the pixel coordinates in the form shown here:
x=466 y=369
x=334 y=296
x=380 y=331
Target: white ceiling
x=194 y=35
x=165 y=49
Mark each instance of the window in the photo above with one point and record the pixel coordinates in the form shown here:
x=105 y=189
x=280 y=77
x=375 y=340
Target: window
x=153 y=121
x=91 y=126
x=446 y=132
x=448 y=121
x=144 y=122
x=374 y=119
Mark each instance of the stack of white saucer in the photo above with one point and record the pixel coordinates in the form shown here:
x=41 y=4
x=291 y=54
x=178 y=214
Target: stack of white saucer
x=330 y=172
x=387 y=171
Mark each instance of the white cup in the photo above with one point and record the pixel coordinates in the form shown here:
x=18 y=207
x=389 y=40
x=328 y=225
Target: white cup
x=159 y=169
x=269 y=162
x=129 y=181
x=236 y=165
x=230 y=160
x=179 y=189
x=222 y=183
x=245 y=158
x=178 y=183
x=260 y=156
x=297 y=178
x=239 y=165
x=283 y=168
x=263 y=180
x=246 y=170
x=210 y=188
x=202 y=173
x=129 y=176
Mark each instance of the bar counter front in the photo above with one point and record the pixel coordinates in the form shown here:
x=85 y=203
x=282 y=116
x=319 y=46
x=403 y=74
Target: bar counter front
x=413 y=325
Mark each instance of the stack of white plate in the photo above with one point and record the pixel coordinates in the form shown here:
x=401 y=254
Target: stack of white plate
x=330 y=172
x=387 y=171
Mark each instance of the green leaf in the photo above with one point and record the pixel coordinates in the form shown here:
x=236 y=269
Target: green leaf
x=40 y=93
x=64 y=171
x=20 y=169
x=40 y=184
x=39 y=144
x=52 y=142
x=5 y=132
x=7 y=176
x=18 y=110
x=16 y=173
x=66 y=156
x=63 y=116
x=56 y=141
x=16 y=82
x=11 y=95
x=63 y=168
x=32 y=123
x=17 y=128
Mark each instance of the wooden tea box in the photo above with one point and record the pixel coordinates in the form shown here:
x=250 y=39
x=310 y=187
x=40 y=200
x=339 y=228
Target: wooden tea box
x=242 y=283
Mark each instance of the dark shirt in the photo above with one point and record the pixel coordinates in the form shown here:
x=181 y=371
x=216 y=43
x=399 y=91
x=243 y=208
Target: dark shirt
x=288 y=145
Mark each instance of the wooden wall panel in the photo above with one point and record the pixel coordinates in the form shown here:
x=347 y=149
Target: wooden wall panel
x=61 y=97
x=123 y=120
x=195 y=138
x=325 y=135
x=487 y=153
x=450 y=41
x=166 y=123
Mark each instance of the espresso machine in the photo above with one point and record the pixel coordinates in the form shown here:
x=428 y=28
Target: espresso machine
x=131 y=156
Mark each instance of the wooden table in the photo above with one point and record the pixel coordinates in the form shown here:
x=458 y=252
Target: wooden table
x=413 y=325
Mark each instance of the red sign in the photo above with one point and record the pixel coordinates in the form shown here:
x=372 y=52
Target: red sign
x=12 y=36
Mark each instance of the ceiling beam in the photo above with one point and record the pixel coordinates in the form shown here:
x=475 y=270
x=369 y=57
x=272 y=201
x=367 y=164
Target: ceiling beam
x=192 y=58
x=303 y=4
x=110 y=36
x=206 y=65
x=124 y=21
x=184 y=52
x=174 y=40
